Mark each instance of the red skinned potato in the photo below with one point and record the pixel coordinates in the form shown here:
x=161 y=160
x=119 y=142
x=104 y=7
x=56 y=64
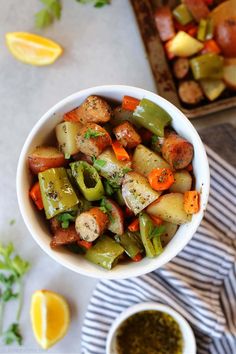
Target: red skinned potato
x=116 y=223
x=63 y=236
x=164 y=22
x=45 y=157
x=94 y=109
x=198 y=9
x=93 y=139
x=177 y=151
x=226 y=36
x=91 y=224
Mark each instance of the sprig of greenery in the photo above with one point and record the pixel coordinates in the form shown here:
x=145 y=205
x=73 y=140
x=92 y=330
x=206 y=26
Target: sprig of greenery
x=96 y=3
x=106 y=208
x=14 y=268
x=50 y=12
x=12 y=334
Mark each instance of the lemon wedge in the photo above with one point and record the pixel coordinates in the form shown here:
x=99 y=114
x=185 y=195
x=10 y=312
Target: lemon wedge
x=50 y=317
x=32 y=49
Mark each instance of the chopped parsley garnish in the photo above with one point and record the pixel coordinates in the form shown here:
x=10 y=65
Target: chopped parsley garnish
x=65 y=219
x=90 y=133
x=106 y=208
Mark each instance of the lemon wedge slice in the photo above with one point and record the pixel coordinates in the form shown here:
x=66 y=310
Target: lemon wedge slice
x=32 y=49
x=49 y=316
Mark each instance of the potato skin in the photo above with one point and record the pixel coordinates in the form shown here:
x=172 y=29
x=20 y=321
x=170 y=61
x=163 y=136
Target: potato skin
x=95 y=145
x=177 y=151
x=93 y=110
x=64 y=236
x=45 y=157
x=226 y=36
x=127 y=135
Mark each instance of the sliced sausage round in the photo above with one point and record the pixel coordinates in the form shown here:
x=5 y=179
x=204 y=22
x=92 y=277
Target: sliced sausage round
x=181 y=68
x=177 y=151
x=190 y=92
x=127 y=135
x=91 y=224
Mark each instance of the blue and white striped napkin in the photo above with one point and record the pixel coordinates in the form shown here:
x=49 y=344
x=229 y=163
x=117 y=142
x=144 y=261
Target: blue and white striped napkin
x=200 y=283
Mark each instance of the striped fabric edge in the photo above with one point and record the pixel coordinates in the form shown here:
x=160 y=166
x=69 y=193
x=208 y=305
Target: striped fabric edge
x=115 y=296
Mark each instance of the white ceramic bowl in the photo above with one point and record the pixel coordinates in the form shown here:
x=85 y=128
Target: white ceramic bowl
x=42 y=133
x=189 y=343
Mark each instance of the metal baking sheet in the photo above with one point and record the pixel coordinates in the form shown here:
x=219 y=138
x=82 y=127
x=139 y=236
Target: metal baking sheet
x=165 y=82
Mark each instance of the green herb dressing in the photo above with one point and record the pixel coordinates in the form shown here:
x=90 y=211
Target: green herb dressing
x=149 y=332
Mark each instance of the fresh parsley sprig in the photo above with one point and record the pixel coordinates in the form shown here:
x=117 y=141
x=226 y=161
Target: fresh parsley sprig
x=13 y=270
x=52 y=11
x=65 y=219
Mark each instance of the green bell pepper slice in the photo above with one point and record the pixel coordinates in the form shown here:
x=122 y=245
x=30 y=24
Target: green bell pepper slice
x=128 y=241
x=57 y=192
x=152 y=245
x=119 y=197
x=182 y=14
x=88 y=180
x=105 y=253
x=209 y=29
x=208 y=65
x=202 y=28
x=151 y=116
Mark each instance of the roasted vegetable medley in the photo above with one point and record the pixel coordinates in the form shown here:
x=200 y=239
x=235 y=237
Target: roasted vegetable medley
x=200 y=44
x=119 y=182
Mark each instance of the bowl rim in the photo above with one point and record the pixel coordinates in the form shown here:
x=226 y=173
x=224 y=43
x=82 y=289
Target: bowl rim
x=58 y=257
x=186 y=330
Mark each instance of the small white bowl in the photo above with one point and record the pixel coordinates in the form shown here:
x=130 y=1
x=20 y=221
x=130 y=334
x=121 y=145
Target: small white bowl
x=42 y=133
x=189 y=343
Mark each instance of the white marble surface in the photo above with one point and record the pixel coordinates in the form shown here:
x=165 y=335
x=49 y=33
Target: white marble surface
x=101 y=46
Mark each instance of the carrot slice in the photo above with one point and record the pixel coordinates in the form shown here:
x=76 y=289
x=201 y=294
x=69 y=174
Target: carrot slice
x=156 y=220
x=161 y=179
x=36 y=196
x=193 y=31
x=191 y=202
x=120 y=152
x=211 y=46
x=129 y=103
x=85 y=244
x=137 y=258
x=134 y=226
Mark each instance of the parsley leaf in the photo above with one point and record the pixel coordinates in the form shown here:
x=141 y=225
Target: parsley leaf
x=13 y=334
x=48 y=14
x=157 y=231
x=8 y=295
x=108 y=188
x=65 y=219
x=90 y=133
x=12 y=222
x=96 y=3
x=106 y=208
